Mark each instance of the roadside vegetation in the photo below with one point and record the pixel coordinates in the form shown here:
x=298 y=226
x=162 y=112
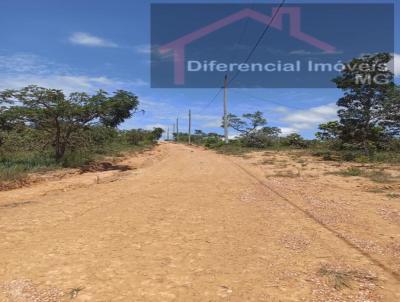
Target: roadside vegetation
x=43 y=129
x=367 y=128
x=379 y=176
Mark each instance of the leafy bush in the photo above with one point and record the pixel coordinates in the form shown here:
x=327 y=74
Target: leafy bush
x=137 y=136
x=327 y=156
x=352 y=171
x=77 y=159
x=294 y=140
x=213 y=142
x=262 y=138
x=348 y=156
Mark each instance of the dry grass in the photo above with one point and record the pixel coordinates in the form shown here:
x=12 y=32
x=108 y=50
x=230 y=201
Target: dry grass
x=352 y=171
x=379 y=176
x=287 y=173
x=15 y=204
x=393 y=195
x=74 y=292
x=343 y=278
x=376 y=190
x=268 y=162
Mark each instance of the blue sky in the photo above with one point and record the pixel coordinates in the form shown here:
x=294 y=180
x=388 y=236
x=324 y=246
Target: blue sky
x=86 y=45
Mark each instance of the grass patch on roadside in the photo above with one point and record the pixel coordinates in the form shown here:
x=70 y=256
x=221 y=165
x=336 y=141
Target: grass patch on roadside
x=342 y=278
x=268 y=162
x=231 y=149
x=15 y=167
x=339 y=279
x=287 y=173
x=356 y=156
x=376 y=190
x=393 y=195
x=236 y=148
x=350 y=172
x=74 y=292
x=378 y=176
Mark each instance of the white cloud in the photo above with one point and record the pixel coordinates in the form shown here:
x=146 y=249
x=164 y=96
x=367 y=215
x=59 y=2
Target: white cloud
x=20 y=70
x=287 y=130
x=85 y=39
x=28 y=63
x=19 y=62
x=311 y=118
x=280 y=109
x=68 y=83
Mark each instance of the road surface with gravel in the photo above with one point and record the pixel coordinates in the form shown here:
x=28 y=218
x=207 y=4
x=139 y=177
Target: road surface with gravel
x=185 y=224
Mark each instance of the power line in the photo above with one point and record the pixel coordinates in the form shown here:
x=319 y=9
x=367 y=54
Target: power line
x=242 y=34
x=259 y=39
x=190 y=126
x=213 y=99
x=251 y=52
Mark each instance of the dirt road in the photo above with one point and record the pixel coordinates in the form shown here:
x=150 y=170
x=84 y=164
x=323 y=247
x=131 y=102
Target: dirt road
x=191 y=225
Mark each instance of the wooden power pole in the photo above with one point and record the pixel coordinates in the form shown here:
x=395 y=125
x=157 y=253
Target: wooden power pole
x=190 y=126
x=168 y=133
x=177 y=129
x=173 y=132
x=226 y=109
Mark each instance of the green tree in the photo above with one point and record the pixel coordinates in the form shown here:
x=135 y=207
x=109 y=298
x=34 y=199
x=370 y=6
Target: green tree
x=248 y=123
x=157 y=133
x=61 y=118
x=262 y=138
x=295 y=140
x=391 y=120
x=7 y=123
x=3 y=124
x=329 y=131
x=199 y=133
x=367 y=83
x=136 y=136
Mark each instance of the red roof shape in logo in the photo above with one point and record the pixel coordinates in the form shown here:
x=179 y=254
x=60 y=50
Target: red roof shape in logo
x=178 y=46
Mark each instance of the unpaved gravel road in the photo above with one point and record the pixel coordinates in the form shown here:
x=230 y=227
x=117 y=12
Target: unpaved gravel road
x=189 y=225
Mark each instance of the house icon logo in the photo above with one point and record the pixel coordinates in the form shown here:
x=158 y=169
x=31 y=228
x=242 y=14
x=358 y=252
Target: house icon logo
x=294 y=14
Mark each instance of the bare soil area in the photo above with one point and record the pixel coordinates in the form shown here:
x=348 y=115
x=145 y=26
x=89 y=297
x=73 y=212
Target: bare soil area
x=180 y=223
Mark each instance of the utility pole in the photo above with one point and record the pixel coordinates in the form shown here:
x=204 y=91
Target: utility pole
x=226 y=109
x=190 y=126
x=177 y=129
x=168 y=133
x=173 y=132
